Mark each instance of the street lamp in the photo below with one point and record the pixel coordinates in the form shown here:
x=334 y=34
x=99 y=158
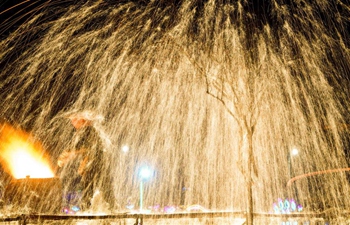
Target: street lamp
x=144 y=174
x=293 y=152
x=125 y=148
x=290 y=154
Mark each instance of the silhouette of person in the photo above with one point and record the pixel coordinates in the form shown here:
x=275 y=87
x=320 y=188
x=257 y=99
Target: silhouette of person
x=86 y=167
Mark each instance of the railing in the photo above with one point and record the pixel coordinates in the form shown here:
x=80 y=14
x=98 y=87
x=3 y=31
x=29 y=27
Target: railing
x=202 y=218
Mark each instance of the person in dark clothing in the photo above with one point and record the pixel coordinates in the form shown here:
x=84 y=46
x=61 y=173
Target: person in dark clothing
x=91 y=174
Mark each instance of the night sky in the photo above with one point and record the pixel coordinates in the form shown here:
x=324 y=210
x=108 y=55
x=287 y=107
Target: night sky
x=14 y=13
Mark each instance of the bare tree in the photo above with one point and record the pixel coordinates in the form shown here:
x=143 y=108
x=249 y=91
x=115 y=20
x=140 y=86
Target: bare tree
x=240 y=95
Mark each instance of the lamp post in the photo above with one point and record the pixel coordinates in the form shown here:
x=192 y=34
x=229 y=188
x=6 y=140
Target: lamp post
x=144 y=174
x=293 y=152
x=125 y=148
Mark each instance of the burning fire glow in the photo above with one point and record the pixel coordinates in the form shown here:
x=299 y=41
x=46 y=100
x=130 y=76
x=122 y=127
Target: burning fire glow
x=22 y=156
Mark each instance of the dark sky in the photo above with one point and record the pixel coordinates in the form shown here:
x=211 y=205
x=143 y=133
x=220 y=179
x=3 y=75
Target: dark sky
x=15 y=12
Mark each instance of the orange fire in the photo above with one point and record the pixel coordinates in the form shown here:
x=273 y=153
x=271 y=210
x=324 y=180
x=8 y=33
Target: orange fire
x=21 y=155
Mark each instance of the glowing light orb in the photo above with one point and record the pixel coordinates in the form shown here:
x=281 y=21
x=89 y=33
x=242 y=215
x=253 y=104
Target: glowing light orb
x=145 y=173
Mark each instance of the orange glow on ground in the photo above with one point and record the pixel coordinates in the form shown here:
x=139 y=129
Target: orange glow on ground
x=21 y=155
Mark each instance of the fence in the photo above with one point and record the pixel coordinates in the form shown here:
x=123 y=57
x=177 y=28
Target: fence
x=194 y=218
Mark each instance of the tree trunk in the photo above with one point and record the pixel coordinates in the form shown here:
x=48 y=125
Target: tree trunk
x=250 y=204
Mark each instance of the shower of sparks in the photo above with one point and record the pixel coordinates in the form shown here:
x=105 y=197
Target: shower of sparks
x=190 y=88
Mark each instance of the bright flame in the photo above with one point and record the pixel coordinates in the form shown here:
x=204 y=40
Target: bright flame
x=22 y=156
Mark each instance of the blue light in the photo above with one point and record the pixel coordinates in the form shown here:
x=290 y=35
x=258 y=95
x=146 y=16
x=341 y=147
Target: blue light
x=145 y=173
x=75 y=208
